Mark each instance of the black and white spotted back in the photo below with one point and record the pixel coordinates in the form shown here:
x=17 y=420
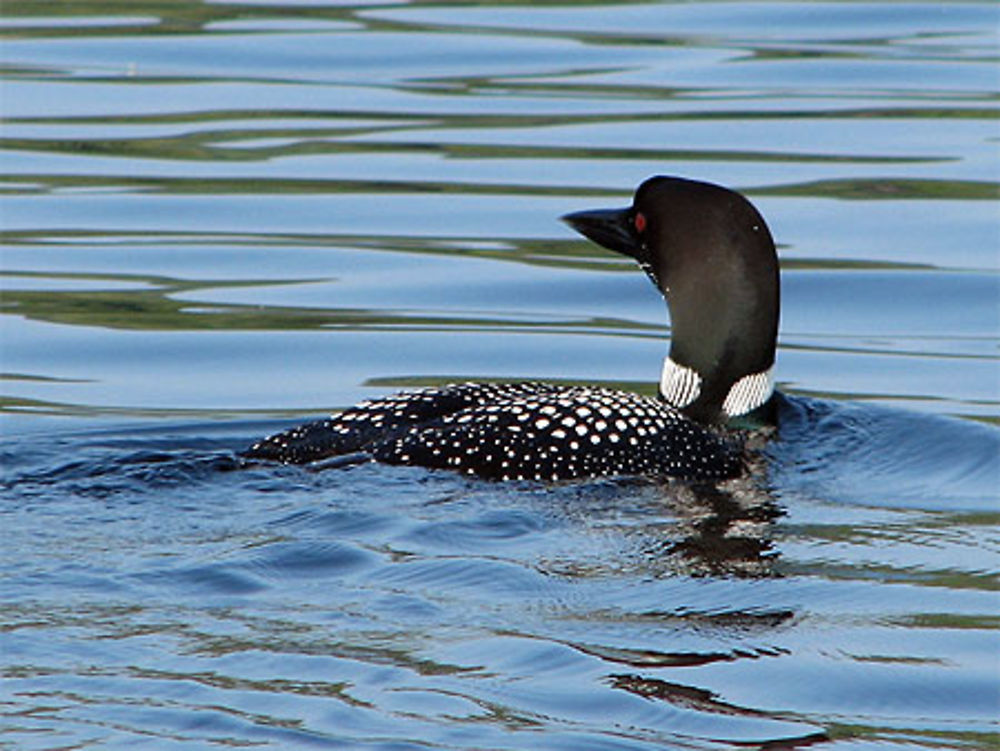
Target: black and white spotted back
x=528 y=430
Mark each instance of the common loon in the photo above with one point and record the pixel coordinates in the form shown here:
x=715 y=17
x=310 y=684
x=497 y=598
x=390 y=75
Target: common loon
x=710 y=253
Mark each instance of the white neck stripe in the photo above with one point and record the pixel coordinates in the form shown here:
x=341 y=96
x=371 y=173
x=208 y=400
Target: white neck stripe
x=748 y=393
x=681 y=385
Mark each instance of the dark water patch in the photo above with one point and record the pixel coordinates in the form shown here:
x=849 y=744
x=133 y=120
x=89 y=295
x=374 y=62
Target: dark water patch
x=489 y=530
x=887 y=457
x=102 y=472
x=321 y=560
x=337 y=523
x=467 y=577
x=207 y=580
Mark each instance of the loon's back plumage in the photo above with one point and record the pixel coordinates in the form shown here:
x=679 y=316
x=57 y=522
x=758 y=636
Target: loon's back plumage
x=522 y=431
x=709 y=252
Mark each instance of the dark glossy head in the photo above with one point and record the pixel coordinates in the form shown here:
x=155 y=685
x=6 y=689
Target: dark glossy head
x=710 y=253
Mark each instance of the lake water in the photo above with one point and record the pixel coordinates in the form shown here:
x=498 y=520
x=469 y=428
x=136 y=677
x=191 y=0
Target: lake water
x=222 y=218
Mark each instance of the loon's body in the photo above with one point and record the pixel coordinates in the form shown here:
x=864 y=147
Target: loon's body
x=710 y=253
x=516 y=431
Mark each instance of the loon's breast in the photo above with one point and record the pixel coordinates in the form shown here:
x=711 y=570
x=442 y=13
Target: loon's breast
x=520 y=431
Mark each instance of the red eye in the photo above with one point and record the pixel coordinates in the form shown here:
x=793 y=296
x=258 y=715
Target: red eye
x=639 y=220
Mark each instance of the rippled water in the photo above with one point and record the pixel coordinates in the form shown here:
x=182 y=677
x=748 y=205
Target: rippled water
x=221 y=217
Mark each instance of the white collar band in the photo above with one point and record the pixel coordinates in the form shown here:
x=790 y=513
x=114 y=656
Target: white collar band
x=748 y=393
x=681 y=385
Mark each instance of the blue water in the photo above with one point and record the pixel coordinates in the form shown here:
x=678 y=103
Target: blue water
x=223 y=218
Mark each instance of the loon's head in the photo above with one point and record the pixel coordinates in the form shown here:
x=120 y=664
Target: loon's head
x=710 y=253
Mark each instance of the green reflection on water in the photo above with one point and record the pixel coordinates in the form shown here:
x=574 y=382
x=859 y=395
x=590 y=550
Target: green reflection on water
x=888 y=188
x=153 y=308
x=855 y=189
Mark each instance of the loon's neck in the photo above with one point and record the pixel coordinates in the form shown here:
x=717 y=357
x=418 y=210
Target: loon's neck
x=710 y=254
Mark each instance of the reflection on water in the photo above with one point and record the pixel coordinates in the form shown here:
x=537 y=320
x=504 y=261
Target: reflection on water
x=221 y=215
x=343 y=605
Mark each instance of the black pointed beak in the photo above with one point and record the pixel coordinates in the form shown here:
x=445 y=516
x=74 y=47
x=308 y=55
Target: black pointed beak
x=610 y=228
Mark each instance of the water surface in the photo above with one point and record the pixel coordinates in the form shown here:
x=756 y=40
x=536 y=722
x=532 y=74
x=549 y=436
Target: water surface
x=220 y=218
